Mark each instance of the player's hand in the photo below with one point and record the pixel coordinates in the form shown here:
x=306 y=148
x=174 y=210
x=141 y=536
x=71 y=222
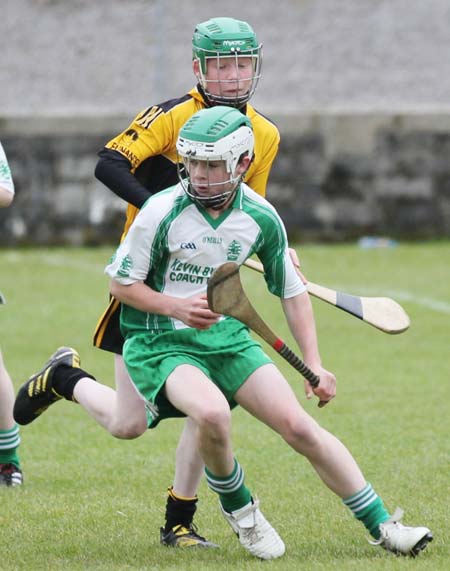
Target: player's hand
x=296 y=262
x=194 y=311
x=326 y=390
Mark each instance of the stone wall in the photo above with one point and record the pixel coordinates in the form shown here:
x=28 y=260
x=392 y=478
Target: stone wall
x=341 y=177
x=337 y=177
x=359 y=88
x=58 y=200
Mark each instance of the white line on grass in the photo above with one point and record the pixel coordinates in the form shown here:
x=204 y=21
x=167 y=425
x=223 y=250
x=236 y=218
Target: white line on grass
x=399 y=295
x=56 y=260
x=62 y=261
x=429 y=302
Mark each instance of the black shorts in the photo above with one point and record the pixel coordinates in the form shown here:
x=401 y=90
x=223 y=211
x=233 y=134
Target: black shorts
x=107 y=335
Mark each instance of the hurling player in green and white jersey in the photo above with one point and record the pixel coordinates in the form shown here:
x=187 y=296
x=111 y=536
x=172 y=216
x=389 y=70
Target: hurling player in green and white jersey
x=185 y=360
x=6 y=181
x=10 y=472
x=141 y=161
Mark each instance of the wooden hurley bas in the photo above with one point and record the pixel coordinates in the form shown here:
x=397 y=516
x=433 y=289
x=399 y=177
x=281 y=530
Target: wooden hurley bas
x=381 y=312
x=226 y=296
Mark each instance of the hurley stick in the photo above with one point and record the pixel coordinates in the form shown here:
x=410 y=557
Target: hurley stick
x=226 y=296
x=381 y=312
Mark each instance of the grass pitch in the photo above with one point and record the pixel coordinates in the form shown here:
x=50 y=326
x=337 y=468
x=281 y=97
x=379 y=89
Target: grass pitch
x=94 y=503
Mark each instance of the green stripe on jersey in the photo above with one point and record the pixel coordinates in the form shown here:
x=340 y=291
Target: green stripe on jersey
x=272 y=243
x=159 y=259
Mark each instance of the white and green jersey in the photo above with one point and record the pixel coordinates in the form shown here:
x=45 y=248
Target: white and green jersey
x=174 y=246
x=6 y=180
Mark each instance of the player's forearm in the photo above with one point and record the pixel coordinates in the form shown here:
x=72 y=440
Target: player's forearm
x=300 y=317
x=114 y=171
x=143 y=298
x=6 y=197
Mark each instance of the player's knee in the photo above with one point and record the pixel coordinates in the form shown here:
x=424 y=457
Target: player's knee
x=302 y=434
x=129 y=429
x=215 y=420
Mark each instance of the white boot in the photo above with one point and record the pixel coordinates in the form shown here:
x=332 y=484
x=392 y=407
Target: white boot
x=400 y=539
x=255 y=533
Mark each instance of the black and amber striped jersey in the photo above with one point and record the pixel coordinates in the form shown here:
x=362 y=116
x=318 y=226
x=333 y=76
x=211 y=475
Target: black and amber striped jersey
x=149 y=144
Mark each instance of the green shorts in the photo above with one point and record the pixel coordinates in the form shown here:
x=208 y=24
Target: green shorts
x=225 y=352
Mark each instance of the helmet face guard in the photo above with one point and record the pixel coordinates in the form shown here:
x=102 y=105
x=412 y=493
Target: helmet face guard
x=221 y=38
x=214 y=201
x=221 y=87
x=211 y=136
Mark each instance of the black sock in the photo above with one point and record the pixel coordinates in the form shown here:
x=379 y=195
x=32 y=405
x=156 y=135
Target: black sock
x=179 y=512
x=65 y=378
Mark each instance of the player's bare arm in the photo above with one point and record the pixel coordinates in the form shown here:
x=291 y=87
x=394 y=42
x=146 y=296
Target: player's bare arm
x=300 y=317
x=193 y=311
x=6 y=197
x=296 y=262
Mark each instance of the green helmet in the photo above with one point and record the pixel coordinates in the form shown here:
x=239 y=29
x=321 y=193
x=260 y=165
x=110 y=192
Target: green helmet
x=226 y=37
x=215 y=134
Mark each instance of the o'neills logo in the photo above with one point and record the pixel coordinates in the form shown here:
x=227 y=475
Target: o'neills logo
x=234 y=42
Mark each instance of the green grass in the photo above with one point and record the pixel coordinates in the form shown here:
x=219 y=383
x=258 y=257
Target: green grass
x=91 y=502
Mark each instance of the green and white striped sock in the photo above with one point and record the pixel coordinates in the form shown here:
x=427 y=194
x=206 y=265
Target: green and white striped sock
x=233 y=493
x=368 y=507
x=9 y=442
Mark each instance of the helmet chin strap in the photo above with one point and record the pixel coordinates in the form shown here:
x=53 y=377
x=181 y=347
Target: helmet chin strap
x=214 y=202
x=239 y=102
x=210 y=102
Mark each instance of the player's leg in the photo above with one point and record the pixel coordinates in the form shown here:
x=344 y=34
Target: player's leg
x=121 y=411
x=10 y=470
x=269 y=397
x=62 y=378
x=193 y=393
x=179 y=529
x=190 y=391
x=108 y=337
x=189 y=466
